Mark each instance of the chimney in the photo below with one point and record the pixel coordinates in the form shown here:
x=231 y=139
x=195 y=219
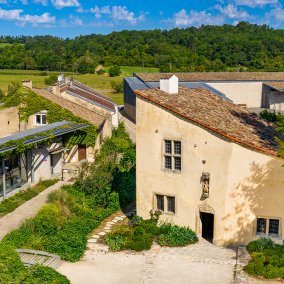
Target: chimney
x=170 y=85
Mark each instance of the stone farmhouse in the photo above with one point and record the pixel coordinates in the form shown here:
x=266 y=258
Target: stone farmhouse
x=254 y=90
x=46 y=160
x=205 y=161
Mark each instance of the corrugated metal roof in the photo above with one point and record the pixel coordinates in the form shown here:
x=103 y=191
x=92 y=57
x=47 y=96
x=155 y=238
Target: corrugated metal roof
x=57 y=129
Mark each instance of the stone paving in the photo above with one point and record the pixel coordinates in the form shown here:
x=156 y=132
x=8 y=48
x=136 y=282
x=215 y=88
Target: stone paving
x=114 y=220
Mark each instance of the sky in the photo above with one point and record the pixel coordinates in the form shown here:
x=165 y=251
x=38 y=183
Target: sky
x=70 y=18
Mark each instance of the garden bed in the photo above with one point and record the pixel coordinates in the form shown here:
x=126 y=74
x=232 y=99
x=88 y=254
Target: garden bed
x=140 y=234
x=10 y=204
x=63 y=224
x=267 y=259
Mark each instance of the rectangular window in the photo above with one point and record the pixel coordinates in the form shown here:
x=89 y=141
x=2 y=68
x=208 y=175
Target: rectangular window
x=40 y=119
x=160 y=202
x=261 y=226
x=268 y=227
x=172 y=155
x=171 y=204
x=273 y=227
x=166 y=203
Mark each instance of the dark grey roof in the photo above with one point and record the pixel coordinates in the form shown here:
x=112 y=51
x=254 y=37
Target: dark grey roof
x=137 y=84
x=57 y=129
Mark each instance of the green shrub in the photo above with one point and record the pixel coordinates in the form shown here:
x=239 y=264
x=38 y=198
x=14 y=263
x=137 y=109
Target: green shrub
x=40 y=274
x=48 y=220
x=140 y=242
x=11 y=267
x=260 y=244
x=272 y=272
x=117 y=87
x=101 y=72
x=114 y=71
x=173 y=235
x=267 y=259
x=51 y=79
x=114 y=241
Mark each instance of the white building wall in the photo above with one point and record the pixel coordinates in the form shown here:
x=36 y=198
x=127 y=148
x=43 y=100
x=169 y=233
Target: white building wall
x=249 y=93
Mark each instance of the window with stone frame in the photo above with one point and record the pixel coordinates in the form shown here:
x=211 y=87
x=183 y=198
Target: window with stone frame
x=165 y=204
x=172 y=155
x=268 y=227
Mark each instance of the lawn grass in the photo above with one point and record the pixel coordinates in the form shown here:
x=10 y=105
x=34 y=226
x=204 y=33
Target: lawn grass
x=10 y=204
x=101 y=83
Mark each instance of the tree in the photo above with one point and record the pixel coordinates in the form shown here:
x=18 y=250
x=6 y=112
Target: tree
x=52 y=79
x=114 y=71
x=117 y=87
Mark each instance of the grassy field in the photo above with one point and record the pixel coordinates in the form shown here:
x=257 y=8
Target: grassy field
x=98 y=82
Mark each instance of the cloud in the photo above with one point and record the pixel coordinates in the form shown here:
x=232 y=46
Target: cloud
x=42 y=2
x=256 y=3
x=59 y=4
x=196 y=18
x=274 y=17
x=116 y=13
x=21 y=19
x=121 y=13
x=105 y=10
x=232 y=12
x=71 y=22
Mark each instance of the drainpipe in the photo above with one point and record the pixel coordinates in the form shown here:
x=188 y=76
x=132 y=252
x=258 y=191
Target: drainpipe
x=4 y=178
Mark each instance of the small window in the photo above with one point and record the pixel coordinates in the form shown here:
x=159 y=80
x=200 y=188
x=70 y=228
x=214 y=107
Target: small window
x=165 y=203
x=261 y=226
x=273 y=227
x=177 y=145
x=168 y=163
x=160 y=202
x=171 y=204
x=268 y=227
x=40 y=119
x=168 y=146
x=172 y=155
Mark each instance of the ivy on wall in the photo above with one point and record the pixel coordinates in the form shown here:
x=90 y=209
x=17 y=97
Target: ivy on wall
x=30 y=103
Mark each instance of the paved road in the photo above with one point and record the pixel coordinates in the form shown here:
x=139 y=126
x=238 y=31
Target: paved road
x=200 y=263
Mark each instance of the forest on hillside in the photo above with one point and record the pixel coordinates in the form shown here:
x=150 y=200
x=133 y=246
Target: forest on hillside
x=244 y=47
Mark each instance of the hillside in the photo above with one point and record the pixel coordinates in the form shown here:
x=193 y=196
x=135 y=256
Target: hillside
x=208 y=48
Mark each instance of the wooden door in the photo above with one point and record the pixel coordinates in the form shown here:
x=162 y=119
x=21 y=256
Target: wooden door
x=82 y=152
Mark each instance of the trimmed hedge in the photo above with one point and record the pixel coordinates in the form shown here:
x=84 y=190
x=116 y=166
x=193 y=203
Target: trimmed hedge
x=12 y=270
x=10 y=204
x=267 y=259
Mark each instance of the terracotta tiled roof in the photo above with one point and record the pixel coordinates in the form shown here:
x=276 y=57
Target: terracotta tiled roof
x=279 y=86
x=77 y=110
x=214 y=76
x=214 y=113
